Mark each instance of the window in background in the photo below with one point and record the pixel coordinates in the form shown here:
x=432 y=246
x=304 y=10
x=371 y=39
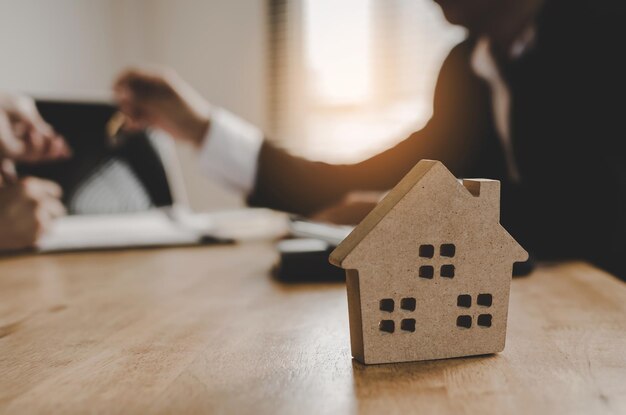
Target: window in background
x=352 y=77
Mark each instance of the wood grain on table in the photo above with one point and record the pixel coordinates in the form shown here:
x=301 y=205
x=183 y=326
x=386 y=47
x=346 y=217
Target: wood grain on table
x=206 y=330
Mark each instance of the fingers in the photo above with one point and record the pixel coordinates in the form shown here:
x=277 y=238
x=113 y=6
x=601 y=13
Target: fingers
x=145 y=82
x=140 y=86
x=40 y=149
x=344 y=214
x=48 y=210
x=161 y=99
x=132 y=107
x=28 y=208
x=44 y=197
x=10 y=145
x=352 y=209
x=38 y=122
x=41 y=145
x=40 y=188
x=58 y=148
x=139 y=94
x=146 y=86
x=25 y=136
x=56 y=209
x=8 y=173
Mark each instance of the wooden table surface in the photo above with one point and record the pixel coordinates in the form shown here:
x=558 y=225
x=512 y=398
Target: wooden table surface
x=206 y=330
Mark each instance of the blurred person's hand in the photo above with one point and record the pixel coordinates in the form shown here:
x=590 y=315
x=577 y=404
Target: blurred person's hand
x=24 y=135
x=27 y=209
x=350 y=210
x=160 y=98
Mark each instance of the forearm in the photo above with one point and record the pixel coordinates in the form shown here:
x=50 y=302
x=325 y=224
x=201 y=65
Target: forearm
x=293 y=184
x=297 y=185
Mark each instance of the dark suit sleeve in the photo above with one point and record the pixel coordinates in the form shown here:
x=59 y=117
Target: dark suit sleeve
x=293 y=184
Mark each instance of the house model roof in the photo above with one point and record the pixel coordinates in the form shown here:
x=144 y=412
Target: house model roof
x=472 y=188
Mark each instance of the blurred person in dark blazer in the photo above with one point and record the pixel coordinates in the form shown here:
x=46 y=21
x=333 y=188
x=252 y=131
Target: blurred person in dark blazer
x=27 y=205
x=533 y=97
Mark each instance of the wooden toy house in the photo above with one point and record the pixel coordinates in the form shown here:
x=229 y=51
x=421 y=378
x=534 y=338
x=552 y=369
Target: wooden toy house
x=428 y=271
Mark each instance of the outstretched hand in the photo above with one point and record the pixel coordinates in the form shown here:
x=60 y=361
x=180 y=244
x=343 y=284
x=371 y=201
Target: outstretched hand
x=160 y=98
x=350 y=210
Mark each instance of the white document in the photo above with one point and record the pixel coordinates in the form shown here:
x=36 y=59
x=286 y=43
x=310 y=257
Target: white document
x=160 y=227
x=84 y=232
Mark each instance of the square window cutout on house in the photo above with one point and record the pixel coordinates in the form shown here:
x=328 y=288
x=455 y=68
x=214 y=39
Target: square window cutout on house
x=464 y=321
x=426 y=271
x=447 y=271
x=484 y=320
x=386 y=304
x=484 y=300
x=408 y=324
x=408 y=304
x=464 y=300
x=388 y=326
x=427 y=251
x=447 y=250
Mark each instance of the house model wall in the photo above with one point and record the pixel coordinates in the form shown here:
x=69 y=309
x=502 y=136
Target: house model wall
x=429 y=270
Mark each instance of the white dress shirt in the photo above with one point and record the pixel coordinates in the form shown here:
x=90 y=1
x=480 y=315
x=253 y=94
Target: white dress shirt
x=484 y=65
x=230 y=151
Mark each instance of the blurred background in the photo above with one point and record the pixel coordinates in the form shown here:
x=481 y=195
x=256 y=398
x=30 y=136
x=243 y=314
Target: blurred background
x=329 y=80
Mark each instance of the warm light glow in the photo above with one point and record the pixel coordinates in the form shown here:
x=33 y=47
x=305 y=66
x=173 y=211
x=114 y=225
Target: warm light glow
x=337 y=36
x=369 y=70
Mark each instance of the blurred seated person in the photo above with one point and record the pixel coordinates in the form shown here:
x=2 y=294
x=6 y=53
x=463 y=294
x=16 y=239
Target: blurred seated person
x=533 y=97
x=27 y=205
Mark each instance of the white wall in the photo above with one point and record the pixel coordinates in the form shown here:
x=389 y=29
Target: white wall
x=74 y=48
x=219 y=46
x=56 y=46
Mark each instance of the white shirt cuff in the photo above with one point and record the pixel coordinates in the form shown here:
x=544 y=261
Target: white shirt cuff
x=230 y=151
